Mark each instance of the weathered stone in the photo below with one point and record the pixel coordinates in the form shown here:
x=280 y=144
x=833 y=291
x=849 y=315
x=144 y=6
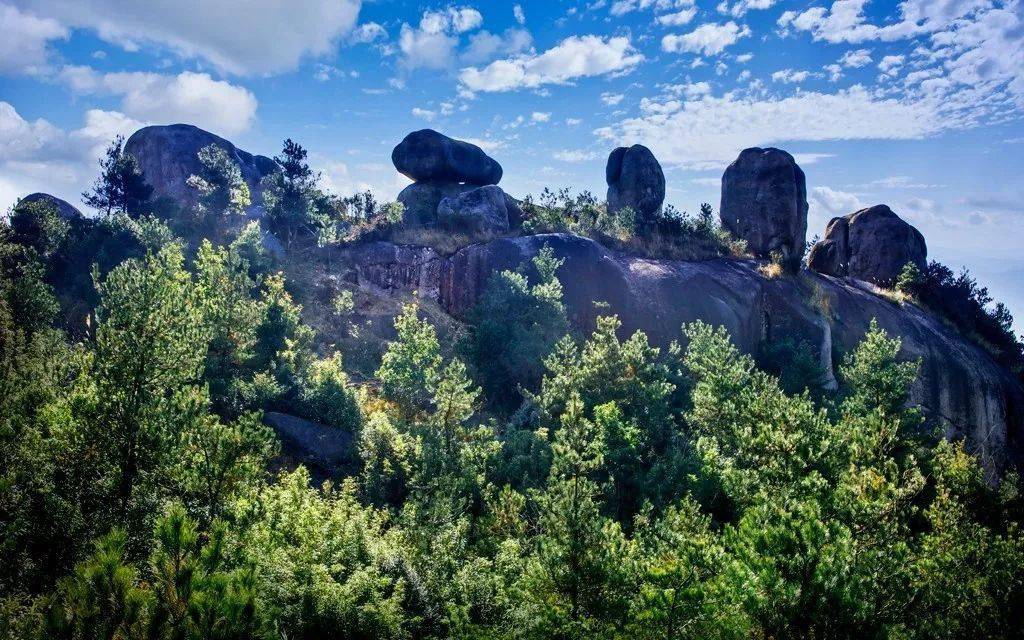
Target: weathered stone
x=429 y=155
x=168 y=155
x=65 y=209
x=764 y=201
x=635 y=180
x=421 y=199
x=872 y=244
x=329 y=449
x=482 y=210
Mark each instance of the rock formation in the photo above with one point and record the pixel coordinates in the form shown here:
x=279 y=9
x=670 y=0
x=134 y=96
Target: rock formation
x=764 y=201
x=325 y=450
x=484 y=209
x=65 y=209
x=960 y=390
x=167 y=156
x=635 y=180
x=872 y=244
x=443 y=167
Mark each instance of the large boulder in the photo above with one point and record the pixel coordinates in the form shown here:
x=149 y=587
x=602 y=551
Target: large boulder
x=327 y=449
x=482 y=210
x=764 y=201
x=872 y=244
x=635 y=180
x=65 y=209
x=421 y=199
x=429 y=155
x=168 y=155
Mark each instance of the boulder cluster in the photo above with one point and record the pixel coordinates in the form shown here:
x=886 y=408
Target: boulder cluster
x=635 y=180
x=455 y=184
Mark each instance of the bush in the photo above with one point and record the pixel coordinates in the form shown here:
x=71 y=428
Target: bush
x=325 y=395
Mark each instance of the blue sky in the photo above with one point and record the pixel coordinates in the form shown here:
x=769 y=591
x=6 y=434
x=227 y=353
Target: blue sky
x=915 y=103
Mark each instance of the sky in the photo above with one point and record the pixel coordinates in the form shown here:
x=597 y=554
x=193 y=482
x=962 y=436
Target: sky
x=918 y=104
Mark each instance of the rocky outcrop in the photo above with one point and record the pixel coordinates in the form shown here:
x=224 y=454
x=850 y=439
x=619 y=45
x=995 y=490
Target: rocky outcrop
x=764 y=201
x=961 y=390
x=65 y=209
x=482 y=210
x=872 y=244
x=635 y=180
x=429 y=155
x=421 y=199
x=329 y=450
x=167 y=156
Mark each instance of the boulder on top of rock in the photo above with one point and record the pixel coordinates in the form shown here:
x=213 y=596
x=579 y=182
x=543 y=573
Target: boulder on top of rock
x=422 y=198
x=65 y=209
x=872 y=244
x=484 y=209
x=168 y=155
x=635 y=180
x=764 y=201
x=428 y=155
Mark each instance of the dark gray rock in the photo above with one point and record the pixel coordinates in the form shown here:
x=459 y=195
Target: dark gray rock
x=328 y=449
x=429 y=155
x=635 y=180
x=960 y=389
x=421 y=199
x=482 y=210
x=764 y=201
x=167 y=156
x=872 y=244
x=65 y=209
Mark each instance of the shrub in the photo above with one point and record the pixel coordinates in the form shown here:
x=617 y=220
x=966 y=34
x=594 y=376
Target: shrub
x=326 y=396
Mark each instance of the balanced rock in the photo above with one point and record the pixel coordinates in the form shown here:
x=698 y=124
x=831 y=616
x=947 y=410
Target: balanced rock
x=872 y=244
x=65 y=209
x=484 y=209
x=764 y=201
x=635 y=180
x=428 y=155
x=421 y=199
x=168 y=155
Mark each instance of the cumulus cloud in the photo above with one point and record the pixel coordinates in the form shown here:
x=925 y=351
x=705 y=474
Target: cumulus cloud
x=485 y=46
x=540 y=116
x=195 y=98
x=790 y=76
x=519 y=14
x=611 y=99
x=709 y=132
x=266 y=36
x=856 y=58
x=573 y=58
x=575 y=155
x=367 y=32
x=741 y=7
x=425 y=114
x=24 y=45
x=844 y=20
x=832 y=202
x=708 y=39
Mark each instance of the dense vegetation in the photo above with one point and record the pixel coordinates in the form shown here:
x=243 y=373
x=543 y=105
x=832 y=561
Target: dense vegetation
x=523 y=483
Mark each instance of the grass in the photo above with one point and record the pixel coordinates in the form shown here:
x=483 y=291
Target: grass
x=770 y=270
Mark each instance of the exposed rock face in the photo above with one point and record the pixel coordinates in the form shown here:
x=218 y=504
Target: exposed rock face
x=872 y=244
x=328 y=449
x=484 y=209
x=960 y=388
x=635 y=180
x=764 y=201
x=421 y=199
x=167 y=156
x=65 y=209
x=429 y=155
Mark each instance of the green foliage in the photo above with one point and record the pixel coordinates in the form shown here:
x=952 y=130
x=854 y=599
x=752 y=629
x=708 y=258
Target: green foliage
x=326 y=396
x=219 y=184
x=515 y=325
x=120 y=187
x=38 y=226
x=294 y=202
x=410 y=366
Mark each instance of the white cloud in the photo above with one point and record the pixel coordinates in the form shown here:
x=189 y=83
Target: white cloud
x=832 y=202
x=193 y=98
x=690 y=90
x=844 y=20
x=426 y=114
x=741 y=7
x=575 y=122
x=575 y=57
x=790 y=76
x=367 y=32
x=518 y=14
x=432 y=44
x=710 y=132
x=744 y=58
x=23 y=46
x=890 y=63
x=575 y=155
x=835 y=72
x=678 y=18
x=264 y=36
x=612 y=99
x=708 y=39
x=540 y=116
x=856 y=58
x=485 y=46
